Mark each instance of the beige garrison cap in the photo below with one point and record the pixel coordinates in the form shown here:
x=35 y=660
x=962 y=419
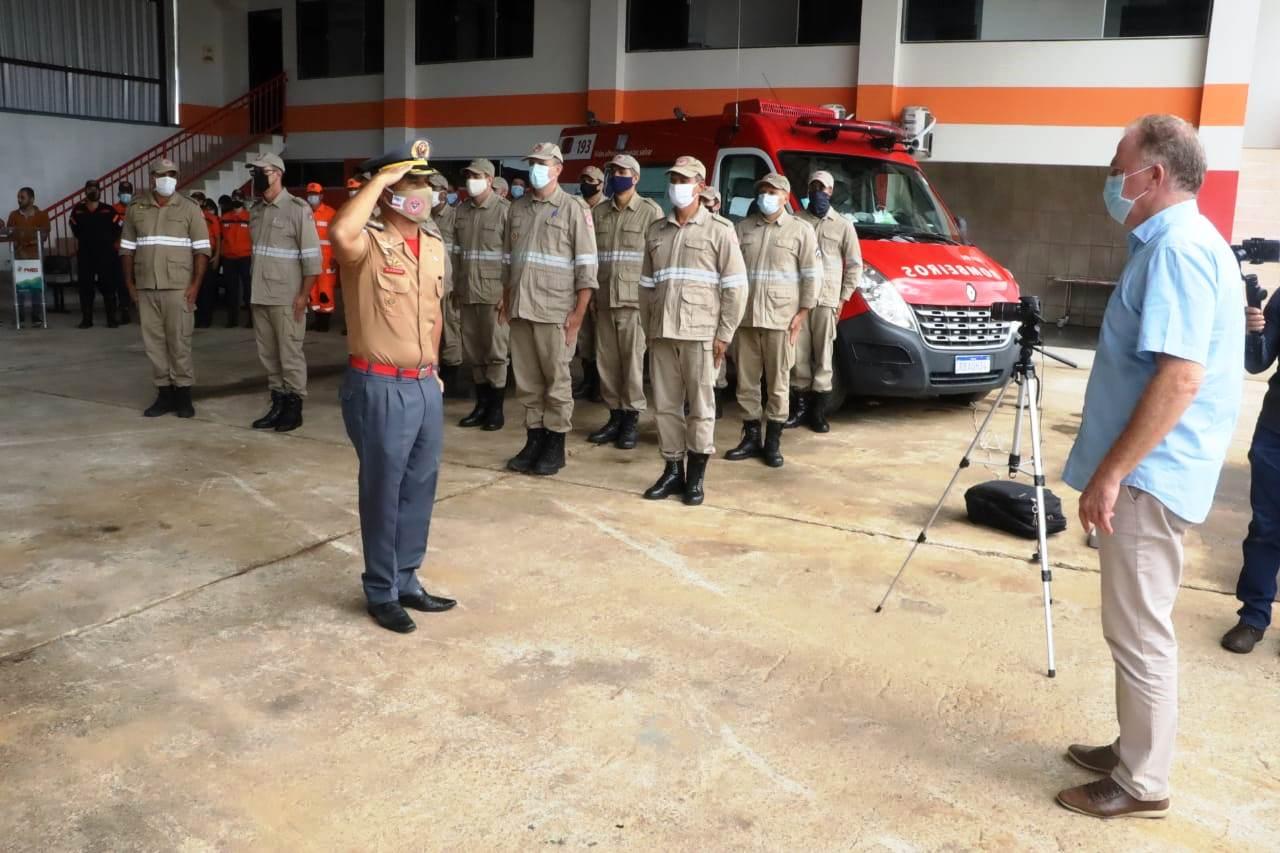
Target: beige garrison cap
x=162 y=165
x=481 y=166
x=690 y=167
x=625 y=161
x=262 y=161
x=823 y=177
x=545 y=151
x=776 y=181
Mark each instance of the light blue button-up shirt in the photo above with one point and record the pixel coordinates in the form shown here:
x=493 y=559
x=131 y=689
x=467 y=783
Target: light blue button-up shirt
x=1180 y=294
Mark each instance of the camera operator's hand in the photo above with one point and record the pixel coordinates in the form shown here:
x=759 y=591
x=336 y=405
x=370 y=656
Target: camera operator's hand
x=1254 y=322
x=1098 y=502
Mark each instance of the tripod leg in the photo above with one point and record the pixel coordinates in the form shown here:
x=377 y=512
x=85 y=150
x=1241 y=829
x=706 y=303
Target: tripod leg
x=1046 y=574
x=1015 y=452
x=964 y=463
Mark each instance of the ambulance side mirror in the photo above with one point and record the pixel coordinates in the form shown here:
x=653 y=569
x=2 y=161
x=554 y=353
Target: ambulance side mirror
x=963 y=225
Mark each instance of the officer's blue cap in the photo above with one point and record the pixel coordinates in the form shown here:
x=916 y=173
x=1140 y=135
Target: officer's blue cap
x=415 y=152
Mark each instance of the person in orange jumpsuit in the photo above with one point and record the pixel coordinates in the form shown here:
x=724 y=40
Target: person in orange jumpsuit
x=124 y=194
x=322 y=292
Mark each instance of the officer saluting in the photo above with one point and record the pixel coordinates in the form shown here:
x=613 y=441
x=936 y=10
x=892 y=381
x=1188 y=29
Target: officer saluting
x=692 y=294
x=393 y=272
x=286 y=261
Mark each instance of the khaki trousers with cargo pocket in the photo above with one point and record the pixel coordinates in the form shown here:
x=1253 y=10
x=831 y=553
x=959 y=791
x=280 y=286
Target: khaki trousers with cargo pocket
x=485 y=343
x=620 y=357
x=815 y=346
x=167 y=323
x=683 y=372
x=764 y=353
x=540 y=363
x=279 y=338
x=1141 y=570
x=451 y=340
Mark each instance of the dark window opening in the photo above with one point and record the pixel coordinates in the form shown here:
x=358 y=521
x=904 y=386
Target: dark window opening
x=1015 y=20
x=326 y=173
x=715 y=24
x=1147 y=18
x=943 y=20
x=339 y=38
x=464 y=30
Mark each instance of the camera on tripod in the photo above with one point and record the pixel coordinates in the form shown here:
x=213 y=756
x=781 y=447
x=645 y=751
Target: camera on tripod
x=1256 y=250
x=1025 y=311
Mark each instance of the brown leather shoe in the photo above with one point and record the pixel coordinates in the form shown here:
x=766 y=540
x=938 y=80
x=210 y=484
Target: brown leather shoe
x=1241 y=639
x=1106 y=799
x=1099 y=759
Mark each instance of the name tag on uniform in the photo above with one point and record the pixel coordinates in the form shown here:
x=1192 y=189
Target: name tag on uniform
x=392 y=271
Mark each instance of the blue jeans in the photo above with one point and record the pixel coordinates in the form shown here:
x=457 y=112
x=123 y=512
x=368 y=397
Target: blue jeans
x=396 y=427
x=1256 y=588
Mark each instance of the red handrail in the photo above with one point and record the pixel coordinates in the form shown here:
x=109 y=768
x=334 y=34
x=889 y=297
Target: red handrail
x=197 y=149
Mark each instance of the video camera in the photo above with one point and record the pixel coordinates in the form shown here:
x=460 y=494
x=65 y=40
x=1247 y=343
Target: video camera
x=1025 y=310
x=1256 y=250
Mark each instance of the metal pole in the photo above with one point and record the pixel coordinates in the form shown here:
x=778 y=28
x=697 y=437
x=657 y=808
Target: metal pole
x=1046 y=574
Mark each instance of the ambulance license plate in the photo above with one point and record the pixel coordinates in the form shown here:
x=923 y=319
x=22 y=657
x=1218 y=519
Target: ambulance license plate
x=967 y=365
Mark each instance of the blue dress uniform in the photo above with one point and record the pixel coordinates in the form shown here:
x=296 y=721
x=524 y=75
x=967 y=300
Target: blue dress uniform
x=391 y=401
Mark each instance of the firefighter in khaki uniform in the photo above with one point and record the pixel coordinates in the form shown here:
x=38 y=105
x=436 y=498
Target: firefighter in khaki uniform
x=393 y=272
x=323 y=297
x=286 y=261
x=841 y=273
x=444 y=216
x=164 y=249
x=479 y=231
x=692 y=293
x=621 y=225
x=551 y=246
x=591 y=187
x=785 y=274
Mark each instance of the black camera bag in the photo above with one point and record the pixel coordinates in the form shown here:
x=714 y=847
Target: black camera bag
x=1011 y=506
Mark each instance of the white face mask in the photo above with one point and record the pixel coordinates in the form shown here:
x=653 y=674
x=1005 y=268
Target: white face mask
x=539 y=175
x=313 y=200
x=477 y=187
x=166 y=186
x=681 y=195
x=769 y=203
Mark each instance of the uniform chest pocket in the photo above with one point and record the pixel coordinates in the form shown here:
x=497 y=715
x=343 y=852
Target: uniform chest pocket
x=179 y=269
x=556 y=233
x=698 y=310
x=786 y=247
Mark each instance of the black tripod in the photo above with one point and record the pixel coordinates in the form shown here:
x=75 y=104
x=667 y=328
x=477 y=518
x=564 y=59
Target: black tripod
x=1027 y=313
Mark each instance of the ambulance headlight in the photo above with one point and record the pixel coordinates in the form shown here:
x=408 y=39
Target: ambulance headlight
x=883 y=298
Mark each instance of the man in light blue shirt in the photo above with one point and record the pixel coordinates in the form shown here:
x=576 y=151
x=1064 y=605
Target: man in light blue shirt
x=1159 y=414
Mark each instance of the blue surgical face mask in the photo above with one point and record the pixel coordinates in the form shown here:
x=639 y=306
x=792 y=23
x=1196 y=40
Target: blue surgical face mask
x=125 y=198
x=769 y=203
x=619 y=184
x=539 y=175
x=517 y=191
x=451 y=198
x=1113 y=195
x=819 y=202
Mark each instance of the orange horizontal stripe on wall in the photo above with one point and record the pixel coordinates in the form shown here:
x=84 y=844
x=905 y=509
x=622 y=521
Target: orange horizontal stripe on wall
x=1224 y=104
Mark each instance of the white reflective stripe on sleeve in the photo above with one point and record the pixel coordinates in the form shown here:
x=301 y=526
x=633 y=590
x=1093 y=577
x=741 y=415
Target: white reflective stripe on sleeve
x=270 y=252
x=646 y=281
x=584 y=260
x=183 y=242
x=687 y=274
x=776 y=275
x=810 y=272
x=621 y=255
x=506 y=257
x=730 y=281
x=543 y=259
x=128 y=244
x=481 y=255
x=310 y=253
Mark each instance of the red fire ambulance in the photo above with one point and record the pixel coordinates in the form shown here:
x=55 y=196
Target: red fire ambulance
x=920 y=324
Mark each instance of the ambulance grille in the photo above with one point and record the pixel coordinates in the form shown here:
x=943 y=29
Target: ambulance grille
x=954 y=327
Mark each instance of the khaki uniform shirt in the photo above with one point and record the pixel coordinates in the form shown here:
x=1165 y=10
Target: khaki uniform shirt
x=551 y=247
x=393 y=299
x=445 y=222
x=693 y=283
x=841 y=257
x=620 y=238
x=478 y=234
x=286 y=248
x=162 y=240
x=783 y=267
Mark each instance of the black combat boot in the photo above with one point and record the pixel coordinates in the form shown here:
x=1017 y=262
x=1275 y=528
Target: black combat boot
x=290 y=414
x=494 y=419
x=589 y=387
x=272 y=417
x=720 y=395
x=551 y=460
x=182 y=402
x=476 y=418
x=818 y=411
x=693 y=478
x=629 y=432
x=608 y=432
x=522 y=462
x=773 y=444
x=670 y=483
x=322 y=321
x=750 y=444
x=163 y=404
x=797 y=409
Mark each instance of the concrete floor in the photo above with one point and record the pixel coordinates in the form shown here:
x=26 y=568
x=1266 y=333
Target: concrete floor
x=185 y=663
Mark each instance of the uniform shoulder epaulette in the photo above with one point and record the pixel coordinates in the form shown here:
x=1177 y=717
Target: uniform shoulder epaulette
x=301 y=202
x=653 y=204
x=376 y=225
x=430 y=227
x=723 y=220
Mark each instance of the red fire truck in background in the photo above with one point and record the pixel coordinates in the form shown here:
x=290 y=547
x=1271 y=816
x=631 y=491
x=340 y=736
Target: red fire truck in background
x=920 y=323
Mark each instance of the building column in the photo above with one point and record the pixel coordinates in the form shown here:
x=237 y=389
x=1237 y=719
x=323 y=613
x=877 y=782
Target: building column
x=607 y=59
x=1227 y=71
x=399 y=73
x=878 y=56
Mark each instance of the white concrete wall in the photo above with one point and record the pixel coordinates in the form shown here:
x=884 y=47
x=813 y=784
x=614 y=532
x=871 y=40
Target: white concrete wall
x=1262 y=121
x=833 y=65
x=55 y=155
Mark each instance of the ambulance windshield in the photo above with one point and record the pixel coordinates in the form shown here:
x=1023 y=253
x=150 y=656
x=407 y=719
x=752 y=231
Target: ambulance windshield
x=878 y=196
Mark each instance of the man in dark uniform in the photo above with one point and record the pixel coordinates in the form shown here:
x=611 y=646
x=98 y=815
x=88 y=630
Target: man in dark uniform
x=96 y=227
x=124 y=195
x=393 y=272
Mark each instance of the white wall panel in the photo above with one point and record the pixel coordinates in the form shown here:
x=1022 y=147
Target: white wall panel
x=1065 y=146
x=1262 y=120
x=830 y=65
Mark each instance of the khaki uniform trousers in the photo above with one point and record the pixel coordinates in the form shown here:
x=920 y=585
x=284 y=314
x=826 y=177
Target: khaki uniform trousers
x=166 y=324
x=683 y=372
x=764 y=353
x=279 y=338
x=544 y=386
x=485 y=343
x=620 y=353
x=587 y=334
x=1141 y=569
x=814 y=348
x=451 y=346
